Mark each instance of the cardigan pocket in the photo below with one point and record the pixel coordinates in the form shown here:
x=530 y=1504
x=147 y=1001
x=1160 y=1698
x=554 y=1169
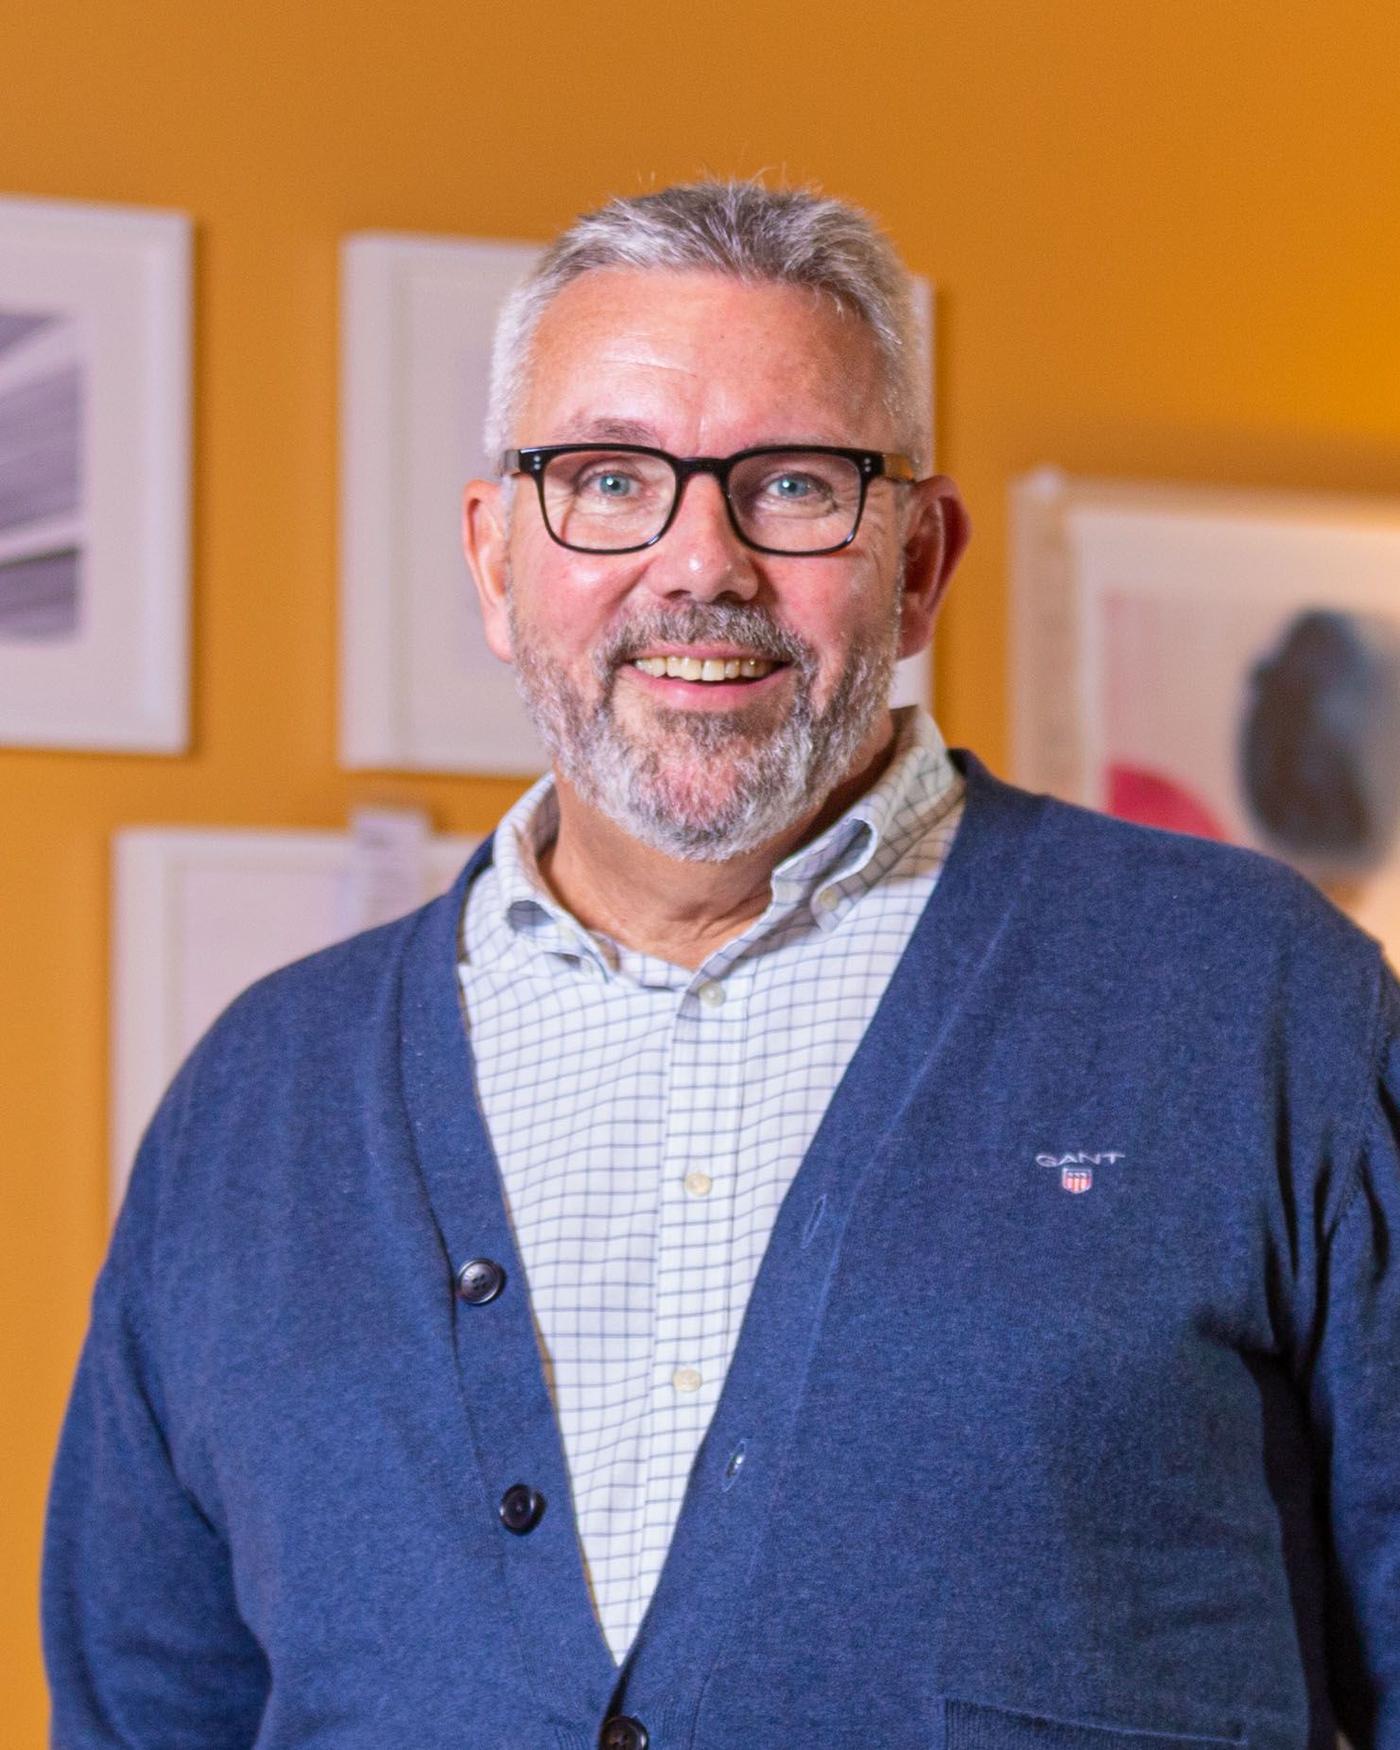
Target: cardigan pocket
x=974 y=1725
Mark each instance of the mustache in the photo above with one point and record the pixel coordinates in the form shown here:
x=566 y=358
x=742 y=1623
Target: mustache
x=736 y=623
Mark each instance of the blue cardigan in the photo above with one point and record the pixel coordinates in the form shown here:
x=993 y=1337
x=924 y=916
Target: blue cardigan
x=1065 y=1414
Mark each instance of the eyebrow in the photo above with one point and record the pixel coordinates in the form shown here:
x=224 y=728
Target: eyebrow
x=606 y=429
x=609 y=430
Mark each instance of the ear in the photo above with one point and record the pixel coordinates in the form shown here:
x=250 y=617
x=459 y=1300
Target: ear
x=937 y=534
x=484 y=541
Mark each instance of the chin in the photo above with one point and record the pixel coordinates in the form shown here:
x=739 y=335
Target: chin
x=696 y=795
x=702 y=811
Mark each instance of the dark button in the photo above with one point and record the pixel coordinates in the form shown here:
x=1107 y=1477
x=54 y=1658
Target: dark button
x=522 y=1508
x=622 y=1732
x=480 y=1280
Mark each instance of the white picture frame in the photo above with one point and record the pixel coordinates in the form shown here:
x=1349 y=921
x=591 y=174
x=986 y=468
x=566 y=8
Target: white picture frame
x=1161 y=637
x=95 y=320
x=198 y=916
x=418 y=688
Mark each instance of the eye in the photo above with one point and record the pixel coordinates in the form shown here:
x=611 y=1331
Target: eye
x=793 y=487
x=803 y=490
x=609 y=482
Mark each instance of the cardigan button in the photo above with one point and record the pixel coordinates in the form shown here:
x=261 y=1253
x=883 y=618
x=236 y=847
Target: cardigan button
x=521 y=1508
x=480 y=1280
x=622 y=1732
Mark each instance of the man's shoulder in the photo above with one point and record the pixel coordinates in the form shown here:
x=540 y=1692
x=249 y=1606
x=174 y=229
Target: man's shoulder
x=1200 y=898
x=1154 y=852
x=321 y=1004
x=1114 y=894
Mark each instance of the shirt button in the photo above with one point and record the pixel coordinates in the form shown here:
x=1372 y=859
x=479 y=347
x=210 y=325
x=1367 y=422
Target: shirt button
x=480 y=1280
x=829 y=898
x=686 y=1379
x=698 y=1184
x=622 y=1732
x=711 y=994
x=521 y=1508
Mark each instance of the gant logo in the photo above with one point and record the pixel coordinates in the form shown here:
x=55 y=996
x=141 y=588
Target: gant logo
x=1077 y=1170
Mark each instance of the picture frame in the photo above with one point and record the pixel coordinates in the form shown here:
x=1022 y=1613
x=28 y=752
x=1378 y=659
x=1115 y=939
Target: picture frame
x=95 y=334
x=1219 y=662
x=200 y=914
x=418 y=688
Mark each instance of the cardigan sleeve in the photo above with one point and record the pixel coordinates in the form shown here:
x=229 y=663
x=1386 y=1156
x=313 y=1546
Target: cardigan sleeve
x=142 y=1637
x=1356 y=1407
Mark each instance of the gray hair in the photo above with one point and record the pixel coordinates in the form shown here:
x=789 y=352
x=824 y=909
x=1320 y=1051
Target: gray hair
x=783 y=237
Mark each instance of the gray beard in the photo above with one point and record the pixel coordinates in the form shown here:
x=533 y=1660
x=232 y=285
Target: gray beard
x=668 y=792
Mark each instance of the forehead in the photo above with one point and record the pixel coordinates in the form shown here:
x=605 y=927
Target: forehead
x=700 y=358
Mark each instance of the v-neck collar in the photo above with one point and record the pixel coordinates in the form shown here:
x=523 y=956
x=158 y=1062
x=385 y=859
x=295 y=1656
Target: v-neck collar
x=509 y=1417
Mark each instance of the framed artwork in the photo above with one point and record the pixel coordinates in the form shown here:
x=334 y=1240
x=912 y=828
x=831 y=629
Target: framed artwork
x=94 y=476
x=1219 y=663
x=418 y=688
x=199 y=915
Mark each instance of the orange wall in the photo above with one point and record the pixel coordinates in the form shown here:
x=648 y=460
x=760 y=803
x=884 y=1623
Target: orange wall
x=1167 y=243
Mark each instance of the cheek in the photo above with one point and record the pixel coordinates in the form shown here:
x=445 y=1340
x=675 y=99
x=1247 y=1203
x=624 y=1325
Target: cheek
x=847 y=613
x=564 y=602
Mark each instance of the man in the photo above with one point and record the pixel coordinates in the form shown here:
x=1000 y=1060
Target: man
x=805 y=1245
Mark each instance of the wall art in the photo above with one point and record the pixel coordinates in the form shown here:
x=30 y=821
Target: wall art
x=1220 y=663
x=94 y=476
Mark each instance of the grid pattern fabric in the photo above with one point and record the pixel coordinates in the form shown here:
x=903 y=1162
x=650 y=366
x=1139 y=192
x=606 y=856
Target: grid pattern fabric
x=647 y=1121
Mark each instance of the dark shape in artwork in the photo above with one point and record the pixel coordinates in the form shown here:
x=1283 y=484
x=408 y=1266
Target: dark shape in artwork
x=1320 y=743
x=42 y=532
x=39 y=596
x=18 y=325
x=41 y=447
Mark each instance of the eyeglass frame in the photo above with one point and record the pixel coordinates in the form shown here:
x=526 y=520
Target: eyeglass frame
x=533 y=459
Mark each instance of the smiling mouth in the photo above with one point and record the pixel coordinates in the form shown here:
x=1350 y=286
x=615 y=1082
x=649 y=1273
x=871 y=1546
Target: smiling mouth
x=712 y=669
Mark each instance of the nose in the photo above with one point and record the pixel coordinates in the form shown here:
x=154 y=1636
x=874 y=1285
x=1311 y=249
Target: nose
x=700 y=554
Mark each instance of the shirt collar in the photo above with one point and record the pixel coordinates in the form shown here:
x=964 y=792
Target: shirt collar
x=528 y=907
x=851 y=853
x=876 y=819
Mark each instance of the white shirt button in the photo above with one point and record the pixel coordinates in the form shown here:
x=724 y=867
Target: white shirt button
x=829 y=898
x=686 y=1379
x=711 y=994
x=698 y=1184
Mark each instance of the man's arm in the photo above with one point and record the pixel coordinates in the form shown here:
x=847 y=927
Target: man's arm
x=1356 y=1406
x=142 y=1637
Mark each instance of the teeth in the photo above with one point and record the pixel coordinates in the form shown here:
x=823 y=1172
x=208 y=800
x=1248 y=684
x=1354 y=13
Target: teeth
x=710 y=668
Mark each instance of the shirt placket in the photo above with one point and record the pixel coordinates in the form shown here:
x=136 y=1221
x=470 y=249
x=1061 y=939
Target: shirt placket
x=694 y=1266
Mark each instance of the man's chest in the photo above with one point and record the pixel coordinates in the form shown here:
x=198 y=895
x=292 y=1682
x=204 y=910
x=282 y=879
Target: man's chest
x=646 y=1134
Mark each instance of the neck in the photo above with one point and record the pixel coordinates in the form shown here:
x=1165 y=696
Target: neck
x=681 y=911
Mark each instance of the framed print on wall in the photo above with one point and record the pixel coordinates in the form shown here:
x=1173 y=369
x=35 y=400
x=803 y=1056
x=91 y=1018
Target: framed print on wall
x=1220 y=663
x=94 y=476
x=198 y=915
x=418 y=687
x=419 y=690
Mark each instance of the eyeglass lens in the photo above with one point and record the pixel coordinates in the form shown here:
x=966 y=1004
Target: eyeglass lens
x=603 y=501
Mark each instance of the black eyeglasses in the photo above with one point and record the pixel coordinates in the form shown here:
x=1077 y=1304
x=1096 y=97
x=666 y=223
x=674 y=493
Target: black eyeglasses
x=620 y=498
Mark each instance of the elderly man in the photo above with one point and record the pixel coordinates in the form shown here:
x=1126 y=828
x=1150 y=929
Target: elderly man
x=805 y=1245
